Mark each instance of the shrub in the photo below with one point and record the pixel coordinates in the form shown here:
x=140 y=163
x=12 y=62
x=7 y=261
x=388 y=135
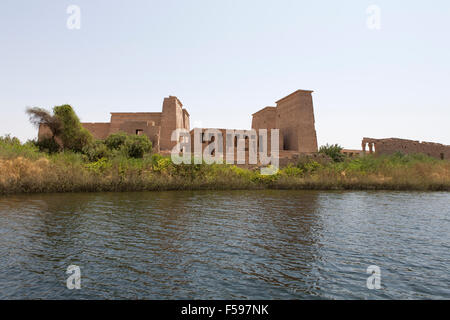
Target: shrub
x=96 y=150
x=11 y=147
x=136 y=146
x=292 y=171
x=73 y=135
x=100 y=166
x=308 y=165
x=333 y=151
x=47 y=145
x=116 y=140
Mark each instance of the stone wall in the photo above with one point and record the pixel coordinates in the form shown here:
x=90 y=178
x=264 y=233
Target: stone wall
x=100 y=130
x=117 y=119
x=393 y=145
x=45 y=133
x=265 y=118
x=230 y=141
x=186 y=121
x=295 y=119
x=294 y=116
x=172 y=118
x=158 y=126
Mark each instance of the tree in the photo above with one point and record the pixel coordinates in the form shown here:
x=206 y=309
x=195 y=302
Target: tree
x=63 y=124
x=333 y=151
x=39 y=116
x=74 y=137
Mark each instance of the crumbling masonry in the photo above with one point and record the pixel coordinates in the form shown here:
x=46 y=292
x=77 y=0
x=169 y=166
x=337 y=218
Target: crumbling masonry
x=393 y=145
x=293 y=115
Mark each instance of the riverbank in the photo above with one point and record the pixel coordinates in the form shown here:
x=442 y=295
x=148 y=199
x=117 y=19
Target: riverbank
x=23 y=169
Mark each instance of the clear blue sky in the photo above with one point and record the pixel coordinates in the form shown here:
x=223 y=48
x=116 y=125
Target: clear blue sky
x=227 y=59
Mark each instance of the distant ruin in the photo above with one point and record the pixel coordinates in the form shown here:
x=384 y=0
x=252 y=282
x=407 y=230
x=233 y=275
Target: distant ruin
x=393 y=145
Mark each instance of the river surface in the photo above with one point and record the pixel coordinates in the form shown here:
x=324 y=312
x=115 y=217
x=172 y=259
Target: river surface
x=226 y=245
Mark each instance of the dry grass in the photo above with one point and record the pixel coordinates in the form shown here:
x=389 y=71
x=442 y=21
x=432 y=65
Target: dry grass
x=24 y=170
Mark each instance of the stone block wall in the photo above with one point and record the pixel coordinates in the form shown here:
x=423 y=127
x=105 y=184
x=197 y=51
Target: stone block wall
x=117 y=119
x=100 y=130
x=265 y=118
x=172 y=118
x=393 y=145
x=295 y=119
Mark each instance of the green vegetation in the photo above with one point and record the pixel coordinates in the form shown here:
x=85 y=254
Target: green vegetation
x=71 y=160
x=73 y=136
x=333 y=151
x=109 y=166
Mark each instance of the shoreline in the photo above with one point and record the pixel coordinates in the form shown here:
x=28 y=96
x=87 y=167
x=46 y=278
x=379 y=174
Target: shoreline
x=25 y=170
x=124 y=188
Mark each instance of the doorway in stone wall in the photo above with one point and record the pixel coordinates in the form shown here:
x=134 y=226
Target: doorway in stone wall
x=139 y=132
x=442 y=156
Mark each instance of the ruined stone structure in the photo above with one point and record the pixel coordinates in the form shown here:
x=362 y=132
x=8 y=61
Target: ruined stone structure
x=352 y=152
x=158 y=126
x=393 y=145
x=293 y=115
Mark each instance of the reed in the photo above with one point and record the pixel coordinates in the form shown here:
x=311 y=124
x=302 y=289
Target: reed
x=23 y=169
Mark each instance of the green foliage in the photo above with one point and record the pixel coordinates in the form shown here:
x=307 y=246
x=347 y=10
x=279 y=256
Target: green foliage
x=333 y=151
x=137 y=146
x=97 y=150
x=115 y=141
x=292 y=171
x=23 y=168
x=100 y=166
x=47 y=145
x=11 y=147
x=8 y=140
x=160 y=163
x=309 y=166
x=133 y=146
x=73 y=135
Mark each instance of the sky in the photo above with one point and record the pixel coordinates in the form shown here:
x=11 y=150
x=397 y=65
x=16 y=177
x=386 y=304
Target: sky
x=227 y=59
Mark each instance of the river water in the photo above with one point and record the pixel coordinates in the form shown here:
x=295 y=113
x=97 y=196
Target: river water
x=226 y=245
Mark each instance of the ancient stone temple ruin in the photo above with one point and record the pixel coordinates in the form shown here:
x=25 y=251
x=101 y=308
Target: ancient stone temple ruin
x=293 y=116
x=393 y=145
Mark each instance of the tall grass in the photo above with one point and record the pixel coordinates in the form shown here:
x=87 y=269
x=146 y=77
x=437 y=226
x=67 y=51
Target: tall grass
x=23 y=169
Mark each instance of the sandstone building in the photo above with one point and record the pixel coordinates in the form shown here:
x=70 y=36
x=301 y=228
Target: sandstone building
x=158 y=126
x=293 y=115
x=393 y=145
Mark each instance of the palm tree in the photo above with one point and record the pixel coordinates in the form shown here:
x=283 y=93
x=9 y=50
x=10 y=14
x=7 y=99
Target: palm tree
x=40 y=116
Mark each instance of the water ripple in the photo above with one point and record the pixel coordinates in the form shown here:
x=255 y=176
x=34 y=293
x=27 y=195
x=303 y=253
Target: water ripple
x=226 y=245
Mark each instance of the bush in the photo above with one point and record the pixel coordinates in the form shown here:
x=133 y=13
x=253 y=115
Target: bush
x=11 y=147
x=96 y=151
x=8 y=140
x=115 y=141
x=292 y=171
x=47 y=145
x=333 y=151
x=74 y=137
x=136 y=146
